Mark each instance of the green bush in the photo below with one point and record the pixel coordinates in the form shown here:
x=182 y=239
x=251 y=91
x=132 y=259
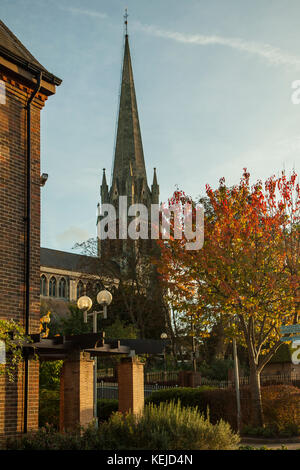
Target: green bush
x=105 y=407
x=50 y=374
x=281 y=406
x=168 y=426
x=221 y=403
x=186 y=395
x=49 y=408
x=217 y=369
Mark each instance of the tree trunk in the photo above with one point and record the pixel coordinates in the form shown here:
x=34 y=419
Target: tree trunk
x=256 y=403
x=221 y=346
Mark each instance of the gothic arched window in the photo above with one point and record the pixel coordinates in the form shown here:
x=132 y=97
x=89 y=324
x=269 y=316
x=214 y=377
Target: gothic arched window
x=52 y=287
x=43 y=285
x=89 y=289
x=97 y=288
x=62 y=288
x=80 y=289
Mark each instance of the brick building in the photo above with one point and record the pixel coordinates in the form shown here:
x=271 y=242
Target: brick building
x=25 y=86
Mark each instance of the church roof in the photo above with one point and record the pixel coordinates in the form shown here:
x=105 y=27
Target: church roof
x=67 y=261
x=129 y=147
x=13 y=50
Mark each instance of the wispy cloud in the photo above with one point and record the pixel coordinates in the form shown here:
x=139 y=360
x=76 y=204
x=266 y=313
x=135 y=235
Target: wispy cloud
x=272 y=55
x=91 y=13
x=72 y=235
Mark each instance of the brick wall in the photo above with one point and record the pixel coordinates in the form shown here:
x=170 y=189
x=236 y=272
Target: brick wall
x=12 y=240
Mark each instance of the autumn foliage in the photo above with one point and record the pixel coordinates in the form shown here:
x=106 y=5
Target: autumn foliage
x=247 y=273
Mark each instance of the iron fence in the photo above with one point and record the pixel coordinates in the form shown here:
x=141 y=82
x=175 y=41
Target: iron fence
x=110 y=389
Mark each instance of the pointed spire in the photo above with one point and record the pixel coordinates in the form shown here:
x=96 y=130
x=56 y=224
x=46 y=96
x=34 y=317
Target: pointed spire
x=155 y=189
x=129 y=147
x=104 y=188
x=154 y=178
x=104 y=183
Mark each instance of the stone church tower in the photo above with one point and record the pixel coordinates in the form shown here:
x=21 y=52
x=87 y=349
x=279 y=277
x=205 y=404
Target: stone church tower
x=129 y=176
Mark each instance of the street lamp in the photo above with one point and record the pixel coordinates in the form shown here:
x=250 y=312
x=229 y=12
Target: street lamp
x=104 y=298
x=84 y=303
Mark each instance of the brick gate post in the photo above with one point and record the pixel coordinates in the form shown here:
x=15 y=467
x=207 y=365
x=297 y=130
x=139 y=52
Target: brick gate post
x=131 y=385
x=76 y=391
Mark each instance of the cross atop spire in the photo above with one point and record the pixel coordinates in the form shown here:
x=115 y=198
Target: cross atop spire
x=125 y=21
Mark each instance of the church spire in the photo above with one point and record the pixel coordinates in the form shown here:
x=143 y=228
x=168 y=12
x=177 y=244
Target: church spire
x=104 y=188
x=155 y=189
x=129 y=147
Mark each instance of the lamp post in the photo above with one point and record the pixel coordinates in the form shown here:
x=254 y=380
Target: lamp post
x=236 y=377
x=194 y=364
x=164 y=336
x=237 y=383
x=84 y=303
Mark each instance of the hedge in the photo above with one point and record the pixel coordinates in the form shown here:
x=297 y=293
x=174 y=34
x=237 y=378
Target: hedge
x=281 y=404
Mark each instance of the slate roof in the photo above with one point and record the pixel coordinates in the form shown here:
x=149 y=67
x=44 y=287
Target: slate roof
x=12 y=49
x=68 y=261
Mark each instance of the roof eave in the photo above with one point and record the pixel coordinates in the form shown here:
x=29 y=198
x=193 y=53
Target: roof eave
x=47 y=76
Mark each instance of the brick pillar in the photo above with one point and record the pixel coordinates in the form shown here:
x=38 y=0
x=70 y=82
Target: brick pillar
x=131 y=385
x=76 y=391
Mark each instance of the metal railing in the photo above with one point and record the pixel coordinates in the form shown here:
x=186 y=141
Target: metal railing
x=108 y=388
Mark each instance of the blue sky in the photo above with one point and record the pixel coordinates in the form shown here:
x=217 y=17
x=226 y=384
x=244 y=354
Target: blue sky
x=213 y=82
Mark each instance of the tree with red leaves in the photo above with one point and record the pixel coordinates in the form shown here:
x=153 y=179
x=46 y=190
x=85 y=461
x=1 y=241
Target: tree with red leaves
x=247 y=273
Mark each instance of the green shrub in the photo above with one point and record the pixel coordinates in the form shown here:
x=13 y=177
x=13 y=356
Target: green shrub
x=221 y=403
x=168 y=426
x=105 y=407
x=186 y=395
x=271 y=431
x=50 y=374
x=49 y=408
x=217 y=369
x=46 y=438
x=281 y=406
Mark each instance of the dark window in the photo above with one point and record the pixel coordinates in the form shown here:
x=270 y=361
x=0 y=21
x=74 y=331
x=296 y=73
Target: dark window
x=80 y=289
x=62 y=291
x=43 y=285
x=97 y=288
x=52 y=287
x=89 y=289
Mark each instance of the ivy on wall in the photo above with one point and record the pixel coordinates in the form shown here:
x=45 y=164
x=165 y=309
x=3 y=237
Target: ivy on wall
x=13 y=337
